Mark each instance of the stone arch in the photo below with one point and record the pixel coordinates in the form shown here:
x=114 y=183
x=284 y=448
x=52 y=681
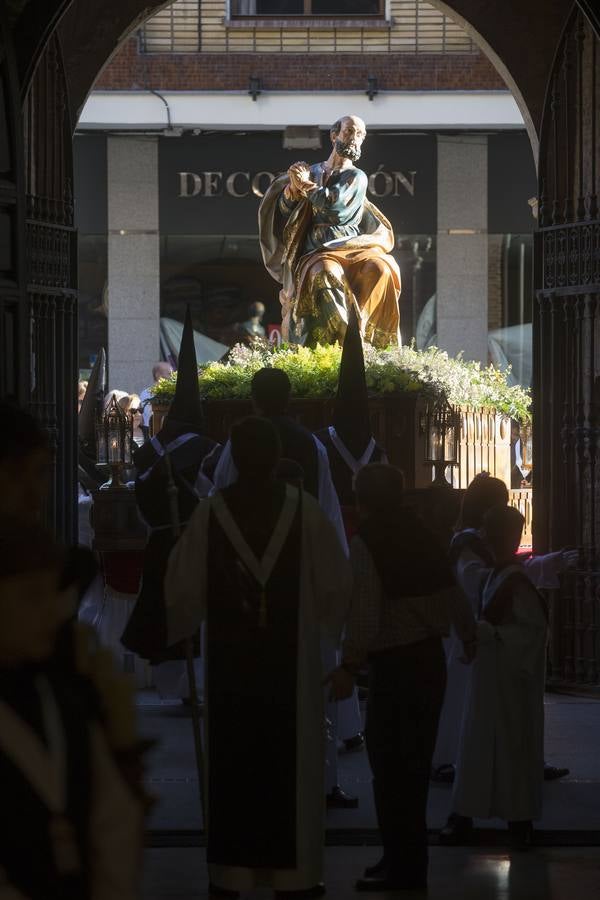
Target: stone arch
x=502 y=67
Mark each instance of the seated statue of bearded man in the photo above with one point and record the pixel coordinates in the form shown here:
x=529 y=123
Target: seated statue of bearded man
x=329 y=247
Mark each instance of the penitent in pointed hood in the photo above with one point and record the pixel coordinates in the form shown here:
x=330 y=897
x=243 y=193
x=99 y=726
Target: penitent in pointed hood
x=92 y=405
x=351 y=409
x=186 y=409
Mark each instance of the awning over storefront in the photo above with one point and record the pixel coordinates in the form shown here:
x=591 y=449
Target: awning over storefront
x=205 y=110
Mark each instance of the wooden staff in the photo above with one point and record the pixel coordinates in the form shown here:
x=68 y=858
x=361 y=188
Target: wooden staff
x=173 y=495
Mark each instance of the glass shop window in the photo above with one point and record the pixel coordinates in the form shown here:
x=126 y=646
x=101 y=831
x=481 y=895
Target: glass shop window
x=510 y=304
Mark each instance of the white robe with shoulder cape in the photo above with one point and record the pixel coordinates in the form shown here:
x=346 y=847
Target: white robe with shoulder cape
x=543 y=572
x=324 y=593
x=501 y=753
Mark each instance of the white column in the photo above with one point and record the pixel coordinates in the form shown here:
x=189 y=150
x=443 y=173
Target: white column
x=133 y=262
x=462 y=246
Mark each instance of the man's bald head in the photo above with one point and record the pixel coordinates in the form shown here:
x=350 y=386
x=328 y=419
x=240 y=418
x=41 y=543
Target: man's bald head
x=161 y=370
x=352 y=120
x=347 y=135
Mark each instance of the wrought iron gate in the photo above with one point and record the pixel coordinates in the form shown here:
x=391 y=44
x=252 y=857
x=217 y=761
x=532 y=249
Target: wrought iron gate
x=51 y=277
x=567 y=347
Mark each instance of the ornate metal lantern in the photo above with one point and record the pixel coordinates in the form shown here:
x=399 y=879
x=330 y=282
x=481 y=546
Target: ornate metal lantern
x=526 y=447
x=442 y=436
x=114 y=443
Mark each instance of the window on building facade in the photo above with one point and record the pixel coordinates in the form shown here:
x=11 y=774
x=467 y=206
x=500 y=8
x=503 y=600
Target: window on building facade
x=307 y=8
x=510 y=304
x=402 y=26
x=174 y=29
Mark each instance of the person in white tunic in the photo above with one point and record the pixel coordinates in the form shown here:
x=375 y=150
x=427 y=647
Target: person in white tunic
x=262 y=566
x=500 y=763
x=468 y=554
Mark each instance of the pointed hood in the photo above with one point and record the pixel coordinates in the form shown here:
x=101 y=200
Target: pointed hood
x=351 y=409
x=93 y=405
x=186 y=408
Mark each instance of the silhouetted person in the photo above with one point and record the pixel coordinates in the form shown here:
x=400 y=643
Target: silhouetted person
x=160 y=370
x=25 y=460
x=350 y=445
x=500 y=764
x=349 y=440
x=182 y=441
x=70 y=825
x=252 y=329
x=403 y=601
x=467 y=545
x=470 y=556
x=271 y=391
x=261 y=565
x=92 y=408
x=519 y=475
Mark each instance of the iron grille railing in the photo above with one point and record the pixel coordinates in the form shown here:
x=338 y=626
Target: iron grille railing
x=522 y=499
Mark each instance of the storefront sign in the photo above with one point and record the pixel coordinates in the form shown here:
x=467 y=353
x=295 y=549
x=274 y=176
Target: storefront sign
x=213 y=184
x=242 y=184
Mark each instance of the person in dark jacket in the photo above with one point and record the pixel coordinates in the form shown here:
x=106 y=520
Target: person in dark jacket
x=404 y=601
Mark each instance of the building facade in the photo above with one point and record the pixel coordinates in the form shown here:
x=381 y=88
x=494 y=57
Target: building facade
x=207 y=102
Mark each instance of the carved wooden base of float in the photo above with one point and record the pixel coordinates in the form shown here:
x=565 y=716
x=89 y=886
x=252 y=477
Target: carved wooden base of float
x=397 y=422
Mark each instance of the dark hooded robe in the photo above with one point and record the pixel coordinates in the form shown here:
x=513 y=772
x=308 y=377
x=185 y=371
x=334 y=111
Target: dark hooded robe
x=349 y=439
x=181 y=442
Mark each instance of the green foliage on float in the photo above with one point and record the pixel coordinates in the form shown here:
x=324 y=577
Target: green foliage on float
x=313 y=373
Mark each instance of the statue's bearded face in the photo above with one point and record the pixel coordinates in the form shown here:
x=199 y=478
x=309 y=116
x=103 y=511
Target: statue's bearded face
x=348 y=141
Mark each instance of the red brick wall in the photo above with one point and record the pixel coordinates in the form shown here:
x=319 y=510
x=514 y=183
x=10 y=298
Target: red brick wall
x=130 y=70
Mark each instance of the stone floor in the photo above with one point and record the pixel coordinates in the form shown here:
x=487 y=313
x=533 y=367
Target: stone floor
x=571 y=805
x=564 y=866
x=455 y=874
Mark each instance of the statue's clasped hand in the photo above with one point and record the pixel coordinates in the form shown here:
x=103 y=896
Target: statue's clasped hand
x=301 y=183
